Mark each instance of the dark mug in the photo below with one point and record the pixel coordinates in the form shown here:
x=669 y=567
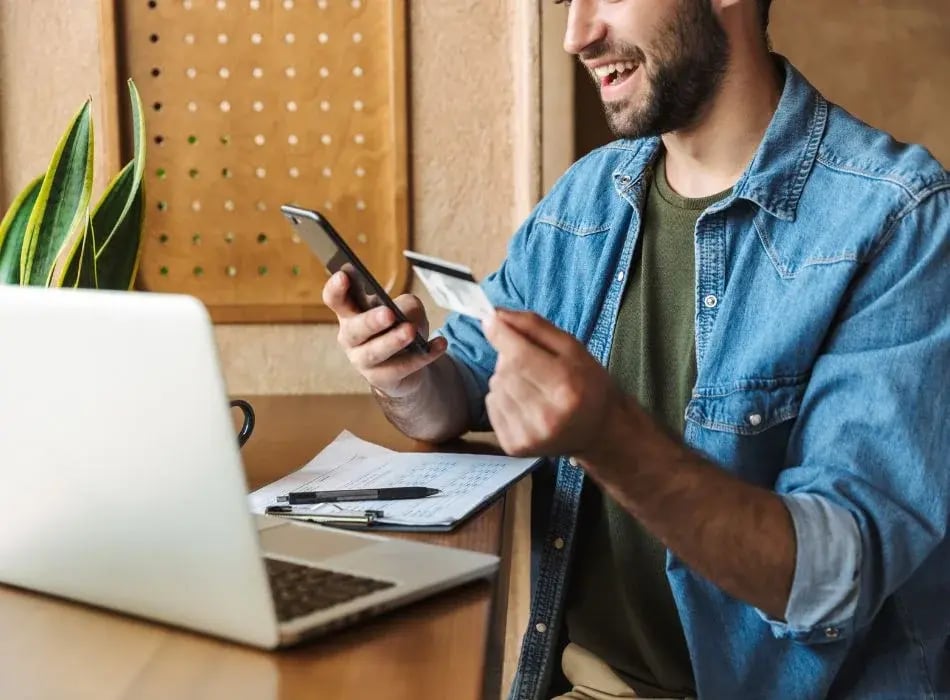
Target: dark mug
x=248 y=426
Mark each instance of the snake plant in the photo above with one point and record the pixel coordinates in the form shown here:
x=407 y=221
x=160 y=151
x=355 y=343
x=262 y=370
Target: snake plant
x=52 y=235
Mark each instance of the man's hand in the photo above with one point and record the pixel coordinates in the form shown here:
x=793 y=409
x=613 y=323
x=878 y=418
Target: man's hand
x=375 y=352
x=548 y=396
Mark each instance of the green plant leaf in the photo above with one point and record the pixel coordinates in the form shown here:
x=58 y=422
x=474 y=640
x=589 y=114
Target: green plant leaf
x=13 y=231
x=82 y=267
x=58 y=221
x=121 y=211
x=118 y=257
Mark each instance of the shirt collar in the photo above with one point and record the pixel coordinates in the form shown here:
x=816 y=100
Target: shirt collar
x=780 y=167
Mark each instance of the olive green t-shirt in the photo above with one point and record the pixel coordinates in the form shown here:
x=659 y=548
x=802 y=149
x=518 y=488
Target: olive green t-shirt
x=620 y=606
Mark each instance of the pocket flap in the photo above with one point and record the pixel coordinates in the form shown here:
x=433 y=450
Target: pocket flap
x=749 y=407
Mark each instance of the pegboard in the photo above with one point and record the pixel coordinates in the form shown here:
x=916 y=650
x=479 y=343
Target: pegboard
x=251 y=104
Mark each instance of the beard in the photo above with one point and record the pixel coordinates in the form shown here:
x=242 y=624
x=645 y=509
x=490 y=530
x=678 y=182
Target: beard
x=682 y=74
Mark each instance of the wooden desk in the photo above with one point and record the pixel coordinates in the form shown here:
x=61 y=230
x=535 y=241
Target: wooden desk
x=448 y=646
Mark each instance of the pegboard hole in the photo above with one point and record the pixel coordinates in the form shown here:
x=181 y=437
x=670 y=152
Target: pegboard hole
x=231 y=271
x=256 y=38
x=258 y=106
x=189 y=39
x=225 y=106
x=163 y=206
x=289 y=38
x=295 y=270
x=326 y=139
x=226 y=173
x=288 y=4
x=261 y=206
x=324 y=106
x=229 y=205
x=291 y=106
x=222 y=39
x=358 y=105
x=221 y=4
x=192 y=139
x=153 y=38
x=292 y=139
x=191 y=73
x=156 y=72
x=199 y=271
x=327 y=172
x=357 y=37
x=294 y=172
x=161 y=174
x=159 y=140
x=294 y=238
x=262 y=238
x=323 y=37
x=357 y=72
x=322 y=4
x=229 y=237
x=360 y=171
x=193 y=173
x=192 y=106
x=163 y=271
x=163 y=238
x=359 y=139
x=290 y=72
x=328 y=205
x=196 y=205
x=361 y=238
x=152 y=4
x=196 y=239
x=186 y=4
x=259 y=139
x=255 y=4
x=225 y=139
x=224 y=72
x=360 y=205
x=356 y=4
x=262 y=270
x=261 y=173
x=324 y=72
x=258 y=72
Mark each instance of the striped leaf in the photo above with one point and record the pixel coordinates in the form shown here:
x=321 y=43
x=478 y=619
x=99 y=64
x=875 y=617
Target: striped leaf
x=82 y=268
x=58 y=220
x=13 y=231
x=120 y=214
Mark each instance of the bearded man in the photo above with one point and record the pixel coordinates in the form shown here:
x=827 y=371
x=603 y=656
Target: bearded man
x=728 y=331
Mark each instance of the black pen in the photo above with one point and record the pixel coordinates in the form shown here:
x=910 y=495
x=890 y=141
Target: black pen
x=390 y=494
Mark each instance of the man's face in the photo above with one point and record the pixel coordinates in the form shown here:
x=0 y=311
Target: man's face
x=657 y=63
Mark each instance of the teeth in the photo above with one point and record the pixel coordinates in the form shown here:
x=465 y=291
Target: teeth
x=619 y=68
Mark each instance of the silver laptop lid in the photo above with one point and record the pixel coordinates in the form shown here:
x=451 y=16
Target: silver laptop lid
x=120 y=478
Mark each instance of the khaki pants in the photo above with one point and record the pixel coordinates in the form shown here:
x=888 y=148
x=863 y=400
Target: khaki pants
x=592 y=678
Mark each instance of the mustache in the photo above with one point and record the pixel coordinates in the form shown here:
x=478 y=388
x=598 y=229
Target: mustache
x=619 y=51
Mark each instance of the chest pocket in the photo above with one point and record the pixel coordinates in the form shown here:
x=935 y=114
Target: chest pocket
x=746 y=428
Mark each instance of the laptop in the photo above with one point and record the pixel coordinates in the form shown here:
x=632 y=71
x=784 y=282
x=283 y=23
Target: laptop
x=121 y=483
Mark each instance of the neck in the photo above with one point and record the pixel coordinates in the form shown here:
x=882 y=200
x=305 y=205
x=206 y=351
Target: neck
x=709 y=157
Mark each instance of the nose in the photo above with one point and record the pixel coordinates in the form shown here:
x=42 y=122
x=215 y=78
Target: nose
x=584 y=26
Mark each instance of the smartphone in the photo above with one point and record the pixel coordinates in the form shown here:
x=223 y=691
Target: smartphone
x=318 y=233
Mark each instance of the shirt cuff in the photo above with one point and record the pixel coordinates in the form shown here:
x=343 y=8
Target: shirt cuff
x=827 y=578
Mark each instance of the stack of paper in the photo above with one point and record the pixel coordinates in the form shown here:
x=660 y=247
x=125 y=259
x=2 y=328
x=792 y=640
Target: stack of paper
x=466 y=482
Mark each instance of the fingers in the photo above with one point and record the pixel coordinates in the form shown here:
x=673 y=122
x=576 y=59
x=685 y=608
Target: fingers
x=357 y=330
x=538 y=330
x=521 y=355
x=390 y=372
x=336 y=296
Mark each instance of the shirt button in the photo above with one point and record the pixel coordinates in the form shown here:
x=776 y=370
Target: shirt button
x=710 y=301
x=626 y=180
x=620 y=276
x=832 y=632
x=559 y=543
x=755 y=419
x=572 y=462
x=541 y=627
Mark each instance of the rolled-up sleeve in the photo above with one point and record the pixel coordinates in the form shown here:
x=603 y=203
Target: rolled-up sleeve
x=468 y=349
x=868 y=489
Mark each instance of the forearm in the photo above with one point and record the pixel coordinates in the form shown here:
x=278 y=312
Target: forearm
x=436 y=411
x=740 y=537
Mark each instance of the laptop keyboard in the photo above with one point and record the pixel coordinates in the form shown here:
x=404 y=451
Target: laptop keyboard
x=301 y=590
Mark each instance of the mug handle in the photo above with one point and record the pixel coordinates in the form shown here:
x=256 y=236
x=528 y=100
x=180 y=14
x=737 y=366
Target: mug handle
x=248 y=426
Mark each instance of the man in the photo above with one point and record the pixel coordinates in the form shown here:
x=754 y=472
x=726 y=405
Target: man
x=729 y=331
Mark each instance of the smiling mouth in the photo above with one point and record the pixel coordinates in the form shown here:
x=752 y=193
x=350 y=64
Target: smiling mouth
x=615 y=73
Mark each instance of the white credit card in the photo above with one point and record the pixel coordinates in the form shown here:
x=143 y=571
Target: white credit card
x=452 y=286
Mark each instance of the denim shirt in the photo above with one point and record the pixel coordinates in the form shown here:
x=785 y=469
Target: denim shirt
x=823 y=372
